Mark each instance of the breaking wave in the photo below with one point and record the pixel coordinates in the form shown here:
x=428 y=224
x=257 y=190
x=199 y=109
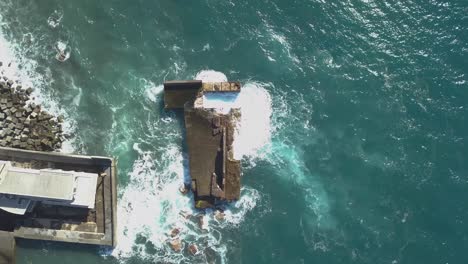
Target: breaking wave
x=211 y=76
x=254 y=129
x=151 y=205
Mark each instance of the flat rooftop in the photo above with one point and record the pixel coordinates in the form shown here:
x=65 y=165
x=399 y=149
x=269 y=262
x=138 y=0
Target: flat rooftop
x=53 y=221
x=44 y=184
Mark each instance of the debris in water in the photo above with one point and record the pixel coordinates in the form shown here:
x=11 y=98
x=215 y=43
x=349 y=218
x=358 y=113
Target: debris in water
x=62 y=53
x=193 y=249
x=175 y=232
x=219 y=215
x=176 y=244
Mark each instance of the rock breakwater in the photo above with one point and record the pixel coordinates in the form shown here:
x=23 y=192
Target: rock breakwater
x=23 y=123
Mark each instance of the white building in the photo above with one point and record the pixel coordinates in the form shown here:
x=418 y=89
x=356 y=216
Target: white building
x=21 y=188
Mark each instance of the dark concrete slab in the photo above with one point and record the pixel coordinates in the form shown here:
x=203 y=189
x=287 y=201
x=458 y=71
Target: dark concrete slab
x=177 y=93
x=204 y=148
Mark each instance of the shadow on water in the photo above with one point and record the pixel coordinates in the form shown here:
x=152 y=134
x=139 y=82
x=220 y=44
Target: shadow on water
x=29 y=250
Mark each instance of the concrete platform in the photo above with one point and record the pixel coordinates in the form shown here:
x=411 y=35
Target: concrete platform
x=215 y=174
x=61 y=223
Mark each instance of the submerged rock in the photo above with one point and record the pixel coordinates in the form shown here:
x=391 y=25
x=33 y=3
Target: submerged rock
x=175 y=232
x=193 y=249
x=219 y=215
x=62 y=52
x=183 y=189
x=201 y=222
x=176 y=244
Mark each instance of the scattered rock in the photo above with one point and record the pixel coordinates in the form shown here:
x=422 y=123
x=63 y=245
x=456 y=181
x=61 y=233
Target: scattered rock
x=201 y=222
x=175 y=232
x=193 y=249
x=183 y=189
x=176 y=244
x=219 y=215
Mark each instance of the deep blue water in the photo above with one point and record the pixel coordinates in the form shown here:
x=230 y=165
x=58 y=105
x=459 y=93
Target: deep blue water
x=362 y=160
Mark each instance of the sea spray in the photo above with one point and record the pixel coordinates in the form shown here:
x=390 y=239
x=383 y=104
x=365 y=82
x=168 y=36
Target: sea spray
x=153 y=91
x=254 y=129
x=150 y=206
x=211 y=76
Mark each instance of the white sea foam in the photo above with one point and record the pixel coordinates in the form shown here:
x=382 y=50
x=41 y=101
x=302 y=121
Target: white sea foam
x=63 y=52
x=54 y=19
x=211 y=76
x=150 y=206
x=237 y=211
x=153 y=91
x=254 y=129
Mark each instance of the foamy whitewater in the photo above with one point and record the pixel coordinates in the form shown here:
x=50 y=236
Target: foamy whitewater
x=151 y=205
x=361 y=159
x=254 y=128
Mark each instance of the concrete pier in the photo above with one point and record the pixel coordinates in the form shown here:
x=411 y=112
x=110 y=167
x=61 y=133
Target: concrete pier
x=215 y=174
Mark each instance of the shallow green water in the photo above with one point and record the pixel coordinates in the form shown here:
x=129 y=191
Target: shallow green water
x=366 y=153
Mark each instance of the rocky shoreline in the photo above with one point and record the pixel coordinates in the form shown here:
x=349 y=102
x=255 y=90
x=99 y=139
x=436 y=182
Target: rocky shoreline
x=23 y=123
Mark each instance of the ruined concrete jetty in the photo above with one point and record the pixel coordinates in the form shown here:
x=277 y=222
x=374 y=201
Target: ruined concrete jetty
x=215 y=173
x=57 y=197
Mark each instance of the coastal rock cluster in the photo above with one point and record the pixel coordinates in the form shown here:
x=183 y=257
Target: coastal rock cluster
x=175 y=240
x=23 y=124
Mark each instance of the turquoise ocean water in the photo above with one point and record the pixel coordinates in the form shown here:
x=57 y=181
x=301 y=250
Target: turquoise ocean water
x=355 y=139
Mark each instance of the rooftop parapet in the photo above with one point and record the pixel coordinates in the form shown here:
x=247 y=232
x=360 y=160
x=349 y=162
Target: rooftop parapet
x=65 y=188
